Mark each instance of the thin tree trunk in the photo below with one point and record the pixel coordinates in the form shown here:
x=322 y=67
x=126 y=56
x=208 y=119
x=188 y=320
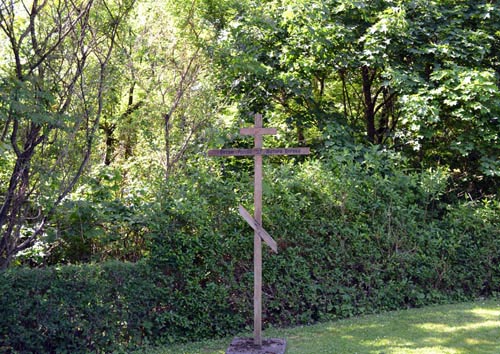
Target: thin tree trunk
x=369 y=103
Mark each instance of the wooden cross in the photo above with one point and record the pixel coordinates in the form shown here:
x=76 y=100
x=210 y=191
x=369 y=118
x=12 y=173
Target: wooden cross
x=256 y=221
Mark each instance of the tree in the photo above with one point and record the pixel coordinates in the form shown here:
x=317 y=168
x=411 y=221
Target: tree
x=451 y=112
x=54 y=86
x=416 y=76
x=163 y=100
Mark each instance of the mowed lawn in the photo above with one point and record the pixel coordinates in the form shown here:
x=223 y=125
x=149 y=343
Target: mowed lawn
x=451 y=329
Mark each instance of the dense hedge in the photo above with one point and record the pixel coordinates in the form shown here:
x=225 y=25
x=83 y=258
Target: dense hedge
x=355 y=235
x=77 y=308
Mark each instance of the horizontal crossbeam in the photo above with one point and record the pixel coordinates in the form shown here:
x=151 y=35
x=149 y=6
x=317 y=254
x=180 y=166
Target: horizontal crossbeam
x=254 y=152
x=258 y=131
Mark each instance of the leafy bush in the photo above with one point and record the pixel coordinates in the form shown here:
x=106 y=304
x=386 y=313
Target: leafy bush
x=355 y=234
x=102 y=220
x=78 y=308
x=359 y=235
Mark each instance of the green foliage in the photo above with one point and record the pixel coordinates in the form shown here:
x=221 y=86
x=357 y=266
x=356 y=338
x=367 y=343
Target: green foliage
x=196 y=238
x=99 y=222
x=54 y=83
x=361 y=227
x=419 y=77
x=473 y=230
x=458 y=109
x=76 y=309
x=356 y=235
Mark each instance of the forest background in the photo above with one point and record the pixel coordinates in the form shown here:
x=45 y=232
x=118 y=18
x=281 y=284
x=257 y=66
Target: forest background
x=117 y=230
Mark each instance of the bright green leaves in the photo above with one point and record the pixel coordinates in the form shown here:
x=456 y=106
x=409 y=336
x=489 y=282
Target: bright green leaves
x=457 y=113
x=416 y=75
x=490 y=166
x=54 y=89
x=385 y=37
x=27 y=101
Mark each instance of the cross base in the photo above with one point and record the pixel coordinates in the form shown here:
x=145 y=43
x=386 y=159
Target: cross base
x=247 y=346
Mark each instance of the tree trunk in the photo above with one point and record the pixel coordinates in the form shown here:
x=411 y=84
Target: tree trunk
x=13 y=213
x=33 y=117
x=367 y=76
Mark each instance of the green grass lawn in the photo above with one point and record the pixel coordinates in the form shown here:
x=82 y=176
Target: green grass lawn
x=460 y=328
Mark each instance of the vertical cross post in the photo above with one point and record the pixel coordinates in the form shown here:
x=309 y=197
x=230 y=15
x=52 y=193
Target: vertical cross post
x=257 y=242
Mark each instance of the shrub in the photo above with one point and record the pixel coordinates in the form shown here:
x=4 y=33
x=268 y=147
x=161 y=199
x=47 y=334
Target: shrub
x=78 y=308
x=356 y=234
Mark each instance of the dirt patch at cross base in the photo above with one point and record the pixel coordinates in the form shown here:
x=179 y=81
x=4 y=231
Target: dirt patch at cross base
x=246 y=346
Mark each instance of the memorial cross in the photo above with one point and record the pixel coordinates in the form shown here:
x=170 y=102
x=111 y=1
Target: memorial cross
x=256 y=221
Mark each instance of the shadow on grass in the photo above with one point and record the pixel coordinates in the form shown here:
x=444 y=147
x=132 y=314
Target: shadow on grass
x=471 y=328
x=453 y=329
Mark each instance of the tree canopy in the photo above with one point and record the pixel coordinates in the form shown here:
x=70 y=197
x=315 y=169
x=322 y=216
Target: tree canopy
x=102 y=102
